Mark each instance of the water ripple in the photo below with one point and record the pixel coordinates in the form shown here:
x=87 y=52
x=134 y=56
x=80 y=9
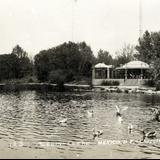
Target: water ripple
x=35 y=117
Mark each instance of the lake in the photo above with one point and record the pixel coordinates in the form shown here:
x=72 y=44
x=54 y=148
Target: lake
x=31 y=125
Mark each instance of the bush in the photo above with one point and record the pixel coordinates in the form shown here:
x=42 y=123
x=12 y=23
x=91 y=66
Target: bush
x=58 y=77
x=69 y=76
x=110 y=83
x=119 y=90
x=150 y=83
x=30 y=80
x=158 y=86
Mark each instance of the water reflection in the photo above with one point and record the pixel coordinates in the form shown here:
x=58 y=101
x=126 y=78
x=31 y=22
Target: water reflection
x=31 y=116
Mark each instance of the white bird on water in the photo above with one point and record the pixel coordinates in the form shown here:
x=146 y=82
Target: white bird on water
x=64 y=120
x=90 y=113
x=119 y=113
x=120 y=119
x=130 y=128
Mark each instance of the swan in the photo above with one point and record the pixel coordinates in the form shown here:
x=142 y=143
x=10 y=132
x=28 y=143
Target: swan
x=120 y=119
x=97 y=133
x=157 y=114
x=90 y=113
x=119 y=115
x=150 y=135
x=63 y=120
x=130 y=128
x=119 y=111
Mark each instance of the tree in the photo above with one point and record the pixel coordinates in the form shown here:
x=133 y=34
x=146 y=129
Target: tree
x=149 y=52
x=24 y=63
x=8 y=66
x=145 y=48
x=72 y=58
x=87 y=59
x=104 y=56
x=42 y=65
x=124 y=55
x=67 y=56
x=19 y=52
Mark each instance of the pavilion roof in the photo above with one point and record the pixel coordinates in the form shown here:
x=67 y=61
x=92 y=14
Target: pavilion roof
x=102 y=65
x=135 y=65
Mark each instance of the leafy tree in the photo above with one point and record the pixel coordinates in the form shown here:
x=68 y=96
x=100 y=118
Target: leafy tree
x=145 y=48
x=19 y=52
x=87 y=59
x=24 y=63
x=149 y=52
x=104 y=56
x=124 y=55
x=8 y=66
x=71 y=58
x=42 y=65
x=67 y=56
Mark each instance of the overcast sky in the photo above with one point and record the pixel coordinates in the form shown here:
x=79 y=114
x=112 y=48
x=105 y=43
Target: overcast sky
x=103 y=24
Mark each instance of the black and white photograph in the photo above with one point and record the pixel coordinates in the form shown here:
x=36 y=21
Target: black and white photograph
x=79 y=79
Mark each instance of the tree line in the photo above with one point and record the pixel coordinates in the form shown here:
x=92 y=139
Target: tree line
x=74 y=61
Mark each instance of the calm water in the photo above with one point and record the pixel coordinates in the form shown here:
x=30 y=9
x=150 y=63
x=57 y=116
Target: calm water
x=34 y=119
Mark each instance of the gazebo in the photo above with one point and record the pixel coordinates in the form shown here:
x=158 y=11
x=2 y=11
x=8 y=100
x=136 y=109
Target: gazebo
x=102 y=71
x=133 y=70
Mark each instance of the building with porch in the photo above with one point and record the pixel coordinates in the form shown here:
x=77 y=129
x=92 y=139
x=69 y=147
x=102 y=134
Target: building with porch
x=101 y=72
x=134 y=73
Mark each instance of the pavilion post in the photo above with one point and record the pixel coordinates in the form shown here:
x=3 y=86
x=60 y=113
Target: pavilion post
x=93 y=73
x=125 y=73
x=108 y=77
x=141 y=73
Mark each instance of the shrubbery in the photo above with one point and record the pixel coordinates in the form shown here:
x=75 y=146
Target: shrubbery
x=150 y=83
x=110 y=83
x=158 y=86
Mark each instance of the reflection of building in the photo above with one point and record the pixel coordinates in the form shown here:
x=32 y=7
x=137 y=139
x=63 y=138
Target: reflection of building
x=132 y=73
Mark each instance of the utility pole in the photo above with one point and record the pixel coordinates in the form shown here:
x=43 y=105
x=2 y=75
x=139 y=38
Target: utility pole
x=73 y=19
x=140 y=19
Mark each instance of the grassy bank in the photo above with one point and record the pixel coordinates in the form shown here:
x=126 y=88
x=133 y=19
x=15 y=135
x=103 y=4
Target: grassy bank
x=31 y=83
x=41 y=87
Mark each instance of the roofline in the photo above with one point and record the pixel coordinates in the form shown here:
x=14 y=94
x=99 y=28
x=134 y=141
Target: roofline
x=120 y=68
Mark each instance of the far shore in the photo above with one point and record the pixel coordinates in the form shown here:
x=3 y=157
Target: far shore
x=77 y=88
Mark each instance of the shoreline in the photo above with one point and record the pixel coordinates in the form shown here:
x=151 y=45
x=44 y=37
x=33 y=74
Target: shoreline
x=77 y=88
x=127 y=89
x=42 y=87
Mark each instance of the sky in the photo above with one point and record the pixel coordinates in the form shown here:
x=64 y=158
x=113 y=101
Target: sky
x=103 y=24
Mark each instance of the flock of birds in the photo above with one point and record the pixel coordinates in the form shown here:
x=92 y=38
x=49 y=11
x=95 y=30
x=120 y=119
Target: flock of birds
x=119 y=115
x=150 y=135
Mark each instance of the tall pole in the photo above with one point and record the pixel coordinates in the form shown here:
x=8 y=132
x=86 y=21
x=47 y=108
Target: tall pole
x=140 y=19
x=73 y=18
